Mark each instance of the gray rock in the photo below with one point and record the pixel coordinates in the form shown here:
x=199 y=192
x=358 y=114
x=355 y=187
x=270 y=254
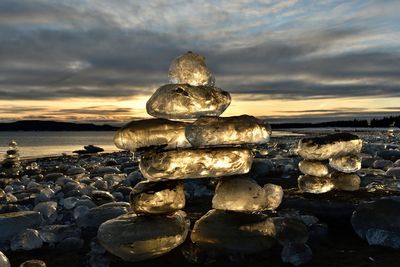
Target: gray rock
x=383 y=164
x=56 y=233
x=290 y=230
x=48 y=211
x=296 y=254
x=391 y=154
x=26 y=240
x=15 y=222
x=394 y=172
x=135 y=238
x=96 y=216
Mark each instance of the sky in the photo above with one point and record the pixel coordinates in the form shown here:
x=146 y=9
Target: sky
x=99 y=60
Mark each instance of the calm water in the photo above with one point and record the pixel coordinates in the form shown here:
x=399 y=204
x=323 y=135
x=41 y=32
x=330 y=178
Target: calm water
x=36 y=144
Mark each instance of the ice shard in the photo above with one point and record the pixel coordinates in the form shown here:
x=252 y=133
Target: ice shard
x=135 y=237
x=190 y=68
x=195 y=163
x=346 y=181
x=325 y=147
x=158 y=197
x=313 y=167
x=314 y=184
x=212 y=131
x=142 y=134
x=234 y=232
x=183 y=101
x=244 y=194
x=346 y=163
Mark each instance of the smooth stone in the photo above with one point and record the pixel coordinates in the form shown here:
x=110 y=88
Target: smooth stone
x=325 y=147
x=15 y=222
x=190 y=68
x=76 y=170
x=142 y=134
x=315 y=185
x=390 y=154
x=346 y=163
x=296 y=254
x=394 y=172
x=346 y=181
x=56 y=233
x=101 y=171
x=237 y=130
x=195 y=163
x=157 y=197
x=48 y=211
x=378 y=222
x=234 y=232
x=313 y=168
x=26 y=240
x=4 y=262
x=383 y=164
x=33 y=263
x=96 y=216
x=244 y=194
x=135 y=238
x=183 y=101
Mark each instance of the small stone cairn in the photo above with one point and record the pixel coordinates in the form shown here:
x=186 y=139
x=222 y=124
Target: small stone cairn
x=11 y=165
x=188 y=140
x=330 y=162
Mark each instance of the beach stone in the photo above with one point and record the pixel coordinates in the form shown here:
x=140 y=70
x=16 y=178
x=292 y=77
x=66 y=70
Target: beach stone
x=346 y=163
x=33 y=263
x=76 y=170
x=26 y=240
x=183 y=101
x=4 y=262
x=383 y=164
x=314 y=184
x=237 y=130
x=394 y=172
x=313 y=168
x=157 y=197
x=56 y=233
x=389 y=154
x=346 y=181
x=244 y=194
x=48 y=211
x=101 y=171
x=296 y=254
x=397 y=163
x=15 y=222
x=135 y=238
x=325 y=147
x=234 y=232
x=290 y=230
x=190 y=68
x=142 y=134
x=378 y=222
x=96 y=216
x=195 y=163
x=71 y=243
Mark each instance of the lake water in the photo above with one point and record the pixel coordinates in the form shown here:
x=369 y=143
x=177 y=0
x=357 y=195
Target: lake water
x=37 y=144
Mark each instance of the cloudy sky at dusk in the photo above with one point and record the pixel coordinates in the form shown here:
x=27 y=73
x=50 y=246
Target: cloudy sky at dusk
x=100 y=60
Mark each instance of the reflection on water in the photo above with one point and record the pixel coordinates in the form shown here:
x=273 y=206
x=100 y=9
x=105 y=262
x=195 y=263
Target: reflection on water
x=34 y=144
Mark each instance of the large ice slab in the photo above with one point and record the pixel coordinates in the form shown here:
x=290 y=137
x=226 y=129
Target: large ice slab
x=142 y=134
x=212 y=131
x=325 y=147
x=234 y=232
x=139 y=237
x=346 y=163
x=314 y=184
x=244 y=194
x=195 y=163
x=183 y=101
x=313 y=167
x=190 y=68
x=158 y=197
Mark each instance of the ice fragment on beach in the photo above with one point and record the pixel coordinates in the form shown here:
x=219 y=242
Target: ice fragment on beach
x=190 y=68
x=383 y=164
x=96 y=216
x=26 y=240
x=195 y=163
x=183 y=101
x=56 y=233
x=346 y=163
x=15 y=222
x=296 y=254
x=212 y=131
x=142 y=134
x=325 y=147
x=4 y=262
x=394 y=172
x=48 y=211
x=313 y=167
x=244 y=194
x=346 y=181
x=314 y=184
x=157 y=197
x=139 y=237
x=33 y=263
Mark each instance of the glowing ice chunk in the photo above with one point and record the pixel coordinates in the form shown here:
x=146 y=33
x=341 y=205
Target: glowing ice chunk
x=346 y=163
x=315 y=185
x=313 y=167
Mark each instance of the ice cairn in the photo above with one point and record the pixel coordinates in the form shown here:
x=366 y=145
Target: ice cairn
x=330 y=162
x=11 y=164
x=171 y=149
